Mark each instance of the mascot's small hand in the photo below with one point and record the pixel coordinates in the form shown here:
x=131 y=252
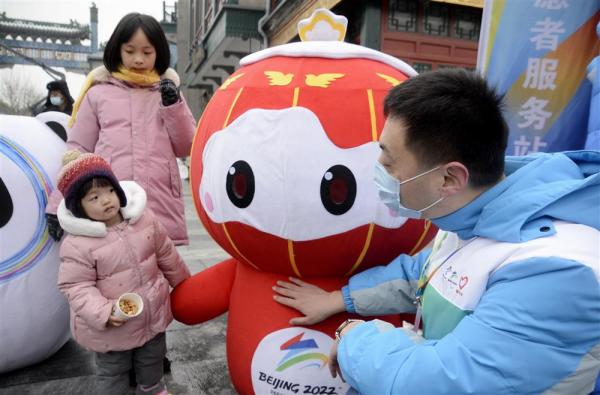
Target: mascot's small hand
x=54 y=229
x=169 y=92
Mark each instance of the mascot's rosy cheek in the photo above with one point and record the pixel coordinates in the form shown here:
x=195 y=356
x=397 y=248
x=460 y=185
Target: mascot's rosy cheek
x=282 y=177
x=35 y=315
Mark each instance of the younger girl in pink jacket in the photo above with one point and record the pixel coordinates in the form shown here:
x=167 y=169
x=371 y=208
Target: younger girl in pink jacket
x=114 y=246
x=130 y=112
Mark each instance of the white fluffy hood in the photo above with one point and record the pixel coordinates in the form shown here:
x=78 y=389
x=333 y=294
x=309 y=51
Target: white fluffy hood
x=136 y=202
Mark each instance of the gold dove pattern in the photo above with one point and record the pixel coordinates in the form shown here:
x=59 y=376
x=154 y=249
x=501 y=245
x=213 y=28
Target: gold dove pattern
x=389 y=79
x=230 y=80
x=277 y=78
x=321 y=80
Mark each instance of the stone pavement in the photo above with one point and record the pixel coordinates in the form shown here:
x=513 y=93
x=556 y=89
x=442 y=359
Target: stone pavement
x=197 y=354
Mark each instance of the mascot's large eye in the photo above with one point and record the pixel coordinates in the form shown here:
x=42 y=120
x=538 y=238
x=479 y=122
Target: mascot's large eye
x=240 y=184
x=6 y=204
x=338 y=189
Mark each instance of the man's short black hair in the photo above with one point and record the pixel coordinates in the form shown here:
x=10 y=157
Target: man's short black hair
x=127 y=26
x=452 y=115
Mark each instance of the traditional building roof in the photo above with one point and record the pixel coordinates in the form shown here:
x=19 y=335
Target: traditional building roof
x=25 y=28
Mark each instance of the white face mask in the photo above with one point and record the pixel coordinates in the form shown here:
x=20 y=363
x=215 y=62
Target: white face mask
x=389 y=192
x=56 y=100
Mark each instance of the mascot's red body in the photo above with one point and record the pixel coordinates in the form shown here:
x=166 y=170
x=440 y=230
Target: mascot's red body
x=282 y=179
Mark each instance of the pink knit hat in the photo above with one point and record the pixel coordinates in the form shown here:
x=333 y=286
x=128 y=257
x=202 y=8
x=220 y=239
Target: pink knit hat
x=80 y=168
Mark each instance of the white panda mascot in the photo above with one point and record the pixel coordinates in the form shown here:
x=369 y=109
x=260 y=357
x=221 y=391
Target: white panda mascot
x=34 y=319
x=57 y=121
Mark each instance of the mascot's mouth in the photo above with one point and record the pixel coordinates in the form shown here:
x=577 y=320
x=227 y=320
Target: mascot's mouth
x=337 y=255
x=334 y=255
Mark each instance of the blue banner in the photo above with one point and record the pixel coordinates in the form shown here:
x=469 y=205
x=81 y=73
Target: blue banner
x=537 y=52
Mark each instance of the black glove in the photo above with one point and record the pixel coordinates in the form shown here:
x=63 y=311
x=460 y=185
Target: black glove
x=169 y=92
x=54 y=229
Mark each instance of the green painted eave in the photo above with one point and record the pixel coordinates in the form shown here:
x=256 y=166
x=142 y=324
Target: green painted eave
x=243 y=23
x=233 y=22
x=169 y=27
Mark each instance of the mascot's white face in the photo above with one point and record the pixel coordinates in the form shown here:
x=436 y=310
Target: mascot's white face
x=35 y=316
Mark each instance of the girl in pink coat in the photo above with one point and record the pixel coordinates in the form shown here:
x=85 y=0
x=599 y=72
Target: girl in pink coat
x=131 y=113
x=114 y=246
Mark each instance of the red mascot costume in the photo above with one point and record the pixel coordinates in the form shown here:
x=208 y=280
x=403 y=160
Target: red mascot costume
x=282 y=173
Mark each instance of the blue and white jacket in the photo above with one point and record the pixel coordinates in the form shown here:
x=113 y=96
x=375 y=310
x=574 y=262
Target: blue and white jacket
x=514 y=306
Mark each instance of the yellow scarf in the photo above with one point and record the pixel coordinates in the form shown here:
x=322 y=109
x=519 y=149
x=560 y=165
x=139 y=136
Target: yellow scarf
x=145 y=78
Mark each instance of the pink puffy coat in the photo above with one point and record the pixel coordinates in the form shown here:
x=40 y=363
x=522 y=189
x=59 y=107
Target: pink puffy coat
x=128 y=126
x=99 y=264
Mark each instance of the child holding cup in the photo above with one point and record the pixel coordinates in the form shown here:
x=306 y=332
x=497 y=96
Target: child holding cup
x=116 y=247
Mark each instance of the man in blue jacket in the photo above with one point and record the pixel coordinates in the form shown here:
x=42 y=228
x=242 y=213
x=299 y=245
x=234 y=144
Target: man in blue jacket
x=509 y=293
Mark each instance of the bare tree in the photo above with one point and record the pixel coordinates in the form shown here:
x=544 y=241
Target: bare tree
x=17 y=93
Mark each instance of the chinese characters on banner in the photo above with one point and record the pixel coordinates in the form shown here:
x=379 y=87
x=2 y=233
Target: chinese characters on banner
x=536 y=53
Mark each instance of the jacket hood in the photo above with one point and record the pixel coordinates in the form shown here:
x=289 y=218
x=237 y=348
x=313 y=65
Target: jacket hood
x=59 y=85
x=101 y=74
x=538 y=189
x=136 y=203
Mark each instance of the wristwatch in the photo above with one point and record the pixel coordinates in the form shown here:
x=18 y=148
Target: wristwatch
x=343 y=326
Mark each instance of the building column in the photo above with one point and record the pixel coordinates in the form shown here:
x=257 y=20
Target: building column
x=370 y=31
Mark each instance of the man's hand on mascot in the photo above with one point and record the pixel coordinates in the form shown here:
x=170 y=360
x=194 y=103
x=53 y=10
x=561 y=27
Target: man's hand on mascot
x=315 y=303
x=169 y=93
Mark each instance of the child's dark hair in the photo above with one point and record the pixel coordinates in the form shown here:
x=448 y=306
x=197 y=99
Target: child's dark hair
x=80 y=193
x=452 y=115
x=126 y=27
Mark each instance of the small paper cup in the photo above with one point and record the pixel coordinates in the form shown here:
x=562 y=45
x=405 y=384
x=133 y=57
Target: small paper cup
x=128 y=299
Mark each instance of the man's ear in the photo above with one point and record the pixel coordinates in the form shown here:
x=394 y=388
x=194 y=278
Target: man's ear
x=456 y=178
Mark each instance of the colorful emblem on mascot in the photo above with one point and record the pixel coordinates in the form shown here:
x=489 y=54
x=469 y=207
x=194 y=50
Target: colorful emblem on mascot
x=282 y=172
x=35 y=316
x=294 y=360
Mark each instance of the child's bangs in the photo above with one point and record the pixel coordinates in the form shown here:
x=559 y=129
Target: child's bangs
x=96 y=182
